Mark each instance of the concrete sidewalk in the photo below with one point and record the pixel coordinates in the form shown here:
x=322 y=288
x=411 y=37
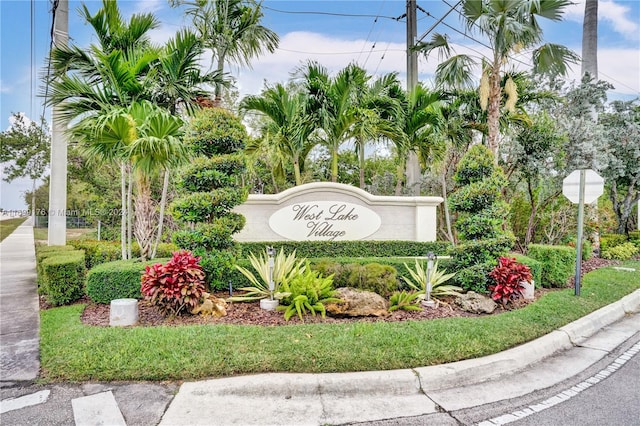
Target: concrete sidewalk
x=19 y=307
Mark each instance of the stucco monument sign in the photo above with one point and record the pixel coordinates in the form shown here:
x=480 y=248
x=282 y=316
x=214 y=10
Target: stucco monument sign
x=324 y=211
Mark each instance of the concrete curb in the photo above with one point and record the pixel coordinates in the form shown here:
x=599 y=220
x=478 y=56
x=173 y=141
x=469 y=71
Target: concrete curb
x=512 y=360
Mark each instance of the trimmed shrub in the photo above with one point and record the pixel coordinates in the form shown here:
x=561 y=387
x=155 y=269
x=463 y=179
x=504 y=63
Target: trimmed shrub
x=474 y=278
x=63 y=277
x=608 y=241
x=558 y=263
x=364 y=248
x=117 y=280
x=381 y=279
x=43 y=252
x=99 y=252
x=479 y=252
x=621 y=252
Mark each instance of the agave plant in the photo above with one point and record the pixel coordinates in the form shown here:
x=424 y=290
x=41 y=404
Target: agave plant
x=284 y=269
x=418 y=281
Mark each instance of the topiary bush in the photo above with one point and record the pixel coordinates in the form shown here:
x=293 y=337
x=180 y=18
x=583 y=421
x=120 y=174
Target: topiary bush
x=558 y=263
x=213 y=190
x=474 y=278
x=116 y=280
x=63 y=277
x=478 y=201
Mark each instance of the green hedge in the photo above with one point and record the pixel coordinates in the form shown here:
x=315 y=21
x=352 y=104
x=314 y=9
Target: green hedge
x=363 y=248
x=609 y=241
x=43 y=252
x=117 y=280
x=63 y=277
x=99 y=252
x=534 y=265
x=558 y=263
x=375 y=277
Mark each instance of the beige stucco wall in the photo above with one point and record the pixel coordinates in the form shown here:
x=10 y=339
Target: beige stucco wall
x=401 y=218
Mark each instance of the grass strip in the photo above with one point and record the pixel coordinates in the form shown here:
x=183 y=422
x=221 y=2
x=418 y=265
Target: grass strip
x=7 y=226
x=71 y=351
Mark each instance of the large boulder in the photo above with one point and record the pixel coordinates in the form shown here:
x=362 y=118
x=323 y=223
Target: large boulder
x=476 y=303
x=357 y=303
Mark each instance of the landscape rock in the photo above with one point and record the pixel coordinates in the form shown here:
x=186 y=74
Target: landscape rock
x=476 y=303
x=211 y=305
x=357 y=303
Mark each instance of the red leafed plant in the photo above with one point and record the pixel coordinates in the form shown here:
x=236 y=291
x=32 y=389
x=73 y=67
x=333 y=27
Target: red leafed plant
x=507 y=277
x=176 y=285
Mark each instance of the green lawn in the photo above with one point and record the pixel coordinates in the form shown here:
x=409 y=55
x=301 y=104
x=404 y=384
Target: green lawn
x=7 y=226
x=71 y=351
x=42 y=234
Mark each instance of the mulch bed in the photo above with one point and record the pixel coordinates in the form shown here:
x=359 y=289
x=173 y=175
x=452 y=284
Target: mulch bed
x=249 y=313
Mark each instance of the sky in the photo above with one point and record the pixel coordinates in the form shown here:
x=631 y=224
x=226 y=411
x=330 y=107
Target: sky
x=332 y=32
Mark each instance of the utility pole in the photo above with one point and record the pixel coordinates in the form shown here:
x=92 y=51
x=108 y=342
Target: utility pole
x=57 y=233
x=413 y=165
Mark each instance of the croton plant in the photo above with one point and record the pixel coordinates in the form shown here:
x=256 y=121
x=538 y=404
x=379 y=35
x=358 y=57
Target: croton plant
x=177 y=285
x=507 y=277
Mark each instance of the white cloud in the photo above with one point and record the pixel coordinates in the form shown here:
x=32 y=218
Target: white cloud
x=4 y=88
x=616 y=14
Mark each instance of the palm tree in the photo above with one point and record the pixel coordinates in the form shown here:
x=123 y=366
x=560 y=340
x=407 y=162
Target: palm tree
x=376 y=109
x=419 y=115
x=109 y=73
x=232 y=30
x=331 y=104
x=509 y=27
x=287 y=127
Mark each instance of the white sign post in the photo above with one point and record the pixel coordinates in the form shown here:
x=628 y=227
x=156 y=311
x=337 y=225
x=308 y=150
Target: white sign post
x=582 y=187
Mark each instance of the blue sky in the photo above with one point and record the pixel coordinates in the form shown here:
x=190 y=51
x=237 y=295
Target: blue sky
x=308 y=29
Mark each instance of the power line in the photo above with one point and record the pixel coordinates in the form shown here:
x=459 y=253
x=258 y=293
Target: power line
x=350 y=15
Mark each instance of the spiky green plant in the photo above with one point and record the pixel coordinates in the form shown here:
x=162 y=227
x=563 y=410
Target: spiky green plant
x=284 y=269
x=404 y=300
x=418 y=281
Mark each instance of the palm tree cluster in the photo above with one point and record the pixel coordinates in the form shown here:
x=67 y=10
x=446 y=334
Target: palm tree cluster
x=123 y=100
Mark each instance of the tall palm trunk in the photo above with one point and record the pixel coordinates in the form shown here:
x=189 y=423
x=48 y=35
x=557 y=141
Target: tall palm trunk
x=493 y=110
x=129 y=212
x=361 y=162
x=334 y=164
x=163 y=202
x=123 y=210
x=144 y=225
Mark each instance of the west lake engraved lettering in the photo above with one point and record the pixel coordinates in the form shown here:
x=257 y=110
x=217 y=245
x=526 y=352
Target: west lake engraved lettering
x=325 y=220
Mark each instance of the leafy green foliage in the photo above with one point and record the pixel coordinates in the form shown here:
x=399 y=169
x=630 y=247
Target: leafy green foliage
x=558 y=263
x=285 y=267
x=419 y=277
x=474 y=278
x=176 y=286
x=472 y=253
x=215 y=131
x=24 y=148
x=116 y=280
x=479 y=201
x=609 y=241
x=404 y=300
x=621 y=252
x=534 y=266
x=381 y=279
x=43 y=252
x=362 y=248
x=507 y=277
x=307 y=291
x=63 y=277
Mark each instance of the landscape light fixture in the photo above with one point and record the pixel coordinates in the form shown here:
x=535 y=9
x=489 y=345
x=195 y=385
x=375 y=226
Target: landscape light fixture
x=431 y=257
